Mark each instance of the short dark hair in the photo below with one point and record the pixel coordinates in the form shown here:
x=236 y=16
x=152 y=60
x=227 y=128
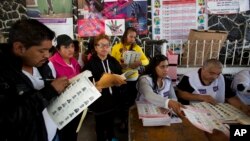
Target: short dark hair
x=63 y=40
x=150 y=68
x=29 y=32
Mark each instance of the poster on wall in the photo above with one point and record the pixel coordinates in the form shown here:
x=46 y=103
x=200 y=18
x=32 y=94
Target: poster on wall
x=115 y=9
x=114 y=27
x=49 y=8
x=156 y=19
x=201 y=15
x=59 y=25
x=90 y=27
x=137 y=16
x=173 y=19
x=244 y=5
x=223 y=6
x=92 y=15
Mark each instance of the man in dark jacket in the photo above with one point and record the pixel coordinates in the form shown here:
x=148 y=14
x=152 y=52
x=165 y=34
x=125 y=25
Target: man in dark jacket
x=21 y=105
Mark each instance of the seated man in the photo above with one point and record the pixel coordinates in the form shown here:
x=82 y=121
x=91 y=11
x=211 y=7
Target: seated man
x=241 y=86
x=208 y=85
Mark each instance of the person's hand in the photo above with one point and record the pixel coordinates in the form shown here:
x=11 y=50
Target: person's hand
x=118 y=80
x=163 y=110
x=98 y=88
x=208 y=99
x=109 y=80
x=176 y=107
x=60 y=84
x=124 y=66
x=245 y=109
x=135 y=64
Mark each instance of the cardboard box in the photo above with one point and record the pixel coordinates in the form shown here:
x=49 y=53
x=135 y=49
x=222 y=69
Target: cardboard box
x=197 y=46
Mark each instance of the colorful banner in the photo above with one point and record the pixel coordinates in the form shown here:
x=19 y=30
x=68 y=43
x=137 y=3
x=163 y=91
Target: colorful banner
x=133 y=12
x=137 y=16
x=202 y=17
x=90 y=27
x=173 y=19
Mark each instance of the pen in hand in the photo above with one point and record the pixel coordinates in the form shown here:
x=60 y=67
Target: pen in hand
x=47 y=79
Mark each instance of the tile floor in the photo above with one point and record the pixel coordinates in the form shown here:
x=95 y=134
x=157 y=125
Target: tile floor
x=87 y=132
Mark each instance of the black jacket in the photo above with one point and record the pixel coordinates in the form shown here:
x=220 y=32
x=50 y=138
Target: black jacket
x=21 y=105
x=107 y=102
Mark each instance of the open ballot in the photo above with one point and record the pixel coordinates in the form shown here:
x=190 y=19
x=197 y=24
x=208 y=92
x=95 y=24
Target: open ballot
x=76 y=97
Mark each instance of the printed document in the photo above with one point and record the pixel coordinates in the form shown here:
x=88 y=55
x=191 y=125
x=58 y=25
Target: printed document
x=130 y=57
x=77 y=97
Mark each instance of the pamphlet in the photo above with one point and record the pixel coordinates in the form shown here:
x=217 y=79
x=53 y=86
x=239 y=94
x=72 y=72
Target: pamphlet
x=76 y=97
x=204 y=120
x=130 y=57
x=128 y=73
x=224 y=112
x=152 y=115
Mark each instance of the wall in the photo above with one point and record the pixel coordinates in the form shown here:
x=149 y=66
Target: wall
x=10 y=11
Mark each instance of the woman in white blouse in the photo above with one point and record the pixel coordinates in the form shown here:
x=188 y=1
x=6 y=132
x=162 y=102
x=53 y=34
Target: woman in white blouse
x=155 y=87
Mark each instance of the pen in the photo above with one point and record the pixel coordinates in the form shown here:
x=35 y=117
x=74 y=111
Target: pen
x=47 y=79
x=94 y=81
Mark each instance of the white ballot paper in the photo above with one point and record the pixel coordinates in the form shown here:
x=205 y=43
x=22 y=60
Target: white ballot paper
x=131 y=57
x=77 y=97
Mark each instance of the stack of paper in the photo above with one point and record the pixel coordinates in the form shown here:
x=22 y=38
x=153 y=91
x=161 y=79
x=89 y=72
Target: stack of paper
x=224 y=112
x=131 y=57
x=76 y=97
x=204 y=120
x=152 y=115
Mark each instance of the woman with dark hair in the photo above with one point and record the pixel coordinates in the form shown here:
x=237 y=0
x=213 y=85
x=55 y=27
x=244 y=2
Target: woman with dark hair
x=63 y=60
x=64 y=64
x=128 y=43
x=155 y=87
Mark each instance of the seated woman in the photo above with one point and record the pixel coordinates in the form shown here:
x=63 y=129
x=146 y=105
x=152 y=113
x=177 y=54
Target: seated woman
x=155 y=87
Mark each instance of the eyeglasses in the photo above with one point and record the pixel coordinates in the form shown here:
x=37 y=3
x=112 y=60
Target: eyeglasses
x=103 y=45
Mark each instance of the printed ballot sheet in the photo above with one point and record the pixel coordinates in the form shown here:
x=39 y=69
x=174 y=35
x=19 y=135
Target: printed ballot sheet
x=204 y=120
x=148 y=110
x=77 y=97
x=153 y=115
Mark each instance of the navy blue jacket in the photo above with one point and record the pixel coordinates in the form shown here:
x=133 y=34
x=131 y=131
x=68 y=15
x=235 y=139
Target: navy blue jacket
x=107 y=102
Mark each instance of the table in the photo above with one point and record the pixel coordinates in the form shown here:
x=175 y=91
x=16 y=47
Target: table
x=184 y=131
